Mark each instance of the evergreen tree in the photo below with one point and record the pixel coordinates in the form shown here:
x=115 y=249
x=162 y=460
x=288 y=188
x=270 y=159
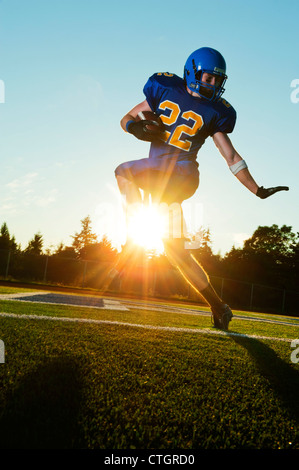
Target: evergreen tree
x=6 y=241
x=35 y=246
x=204 y=253
x=63 y=251
x=84 y=238
x=100 y=251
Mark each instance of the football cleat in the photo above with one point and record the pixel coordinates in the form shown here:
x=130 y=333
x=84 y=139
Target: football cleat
x=221 y=317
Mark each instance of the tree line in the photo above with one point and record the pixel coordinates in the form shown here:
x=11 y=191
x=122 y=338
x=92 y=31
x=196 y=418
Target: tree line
x=269 y=257
x=85 y=246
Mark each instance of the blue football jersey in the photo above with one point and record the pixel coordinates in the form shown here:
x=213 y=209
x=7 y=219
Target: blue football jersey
x=188 y=120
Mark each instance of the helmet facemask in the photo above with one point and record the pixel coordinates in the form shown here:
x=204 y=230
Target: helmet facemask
x=208 y=91
x=205 y=60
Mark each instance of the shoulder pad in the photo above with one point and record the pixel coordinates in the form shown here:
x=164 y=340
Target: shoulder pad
x=166 y=79
x=226 y=103
x=224 y=107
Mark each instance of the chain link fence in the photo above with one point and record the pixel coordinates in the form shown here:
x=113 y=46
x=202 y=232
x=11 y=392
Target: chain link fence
x=145 y=280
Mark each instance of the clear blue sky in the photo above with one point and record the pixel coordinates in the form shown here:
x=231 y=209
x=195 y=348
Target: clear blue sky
x=73 y=68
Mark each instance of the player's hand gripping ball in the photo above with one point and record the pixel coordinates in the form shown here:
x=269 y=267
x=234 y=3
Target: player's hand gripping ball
x=151 y=121
x=147 y=126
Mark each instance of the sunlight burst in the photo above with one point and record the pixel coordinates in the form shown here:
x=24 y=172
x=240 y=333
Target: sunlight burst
x=146 y=227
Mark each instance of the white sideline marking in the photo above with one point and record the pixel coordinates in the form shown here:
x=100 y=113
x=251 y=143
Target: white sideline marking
x=136 y=325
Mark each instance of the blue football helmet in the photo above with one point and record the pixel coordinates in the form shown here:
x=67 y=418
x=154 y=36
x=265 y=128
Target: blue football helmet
x=207 y=60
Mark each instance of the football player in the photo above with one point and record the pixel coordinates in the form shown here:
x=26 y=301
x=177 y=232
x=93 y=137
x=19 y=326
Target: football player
x=191 y=109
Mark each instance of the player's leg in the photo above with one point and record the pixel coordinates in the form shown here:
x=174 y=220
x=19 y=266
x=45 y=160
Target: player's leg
x=131 y=195
x=132 y=177
x=195 y=274
x=128 y=190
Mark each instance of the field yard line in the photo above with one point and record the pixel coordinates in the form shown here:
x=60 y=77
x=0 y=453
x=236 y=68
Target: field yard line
x=137 y=325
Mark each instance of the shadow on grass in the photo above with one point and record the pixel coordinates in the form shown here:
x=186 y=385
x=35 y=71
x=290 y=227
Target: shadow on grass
x=282 y=376
x=42 y=412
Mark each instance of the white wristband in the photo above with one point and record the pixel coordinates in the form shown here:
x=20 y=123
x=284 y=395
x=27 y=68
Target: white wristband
x=236 y=167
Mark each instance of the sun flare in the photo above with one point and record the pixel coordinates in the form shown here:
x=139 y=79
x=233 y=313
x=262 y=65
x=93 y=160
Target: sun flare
x=146 y=227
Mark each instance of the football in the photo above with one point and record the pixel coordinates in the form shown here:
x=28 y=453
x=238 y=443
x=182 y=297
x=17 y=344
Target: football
x=151 y=116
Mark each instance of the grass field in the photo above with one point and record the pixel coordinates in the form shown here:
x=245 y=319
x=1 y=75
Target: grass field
x=150 y=377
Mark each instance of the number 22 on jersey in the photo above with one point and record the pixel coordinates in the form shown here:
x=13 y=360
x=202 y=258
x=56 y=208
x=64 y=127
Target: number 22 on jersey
x=175 y=138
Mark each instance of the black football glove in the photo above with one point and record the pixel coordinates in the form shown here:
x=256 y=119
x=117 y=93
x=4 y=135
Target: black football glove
x=263 y=193
x=141 y=132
